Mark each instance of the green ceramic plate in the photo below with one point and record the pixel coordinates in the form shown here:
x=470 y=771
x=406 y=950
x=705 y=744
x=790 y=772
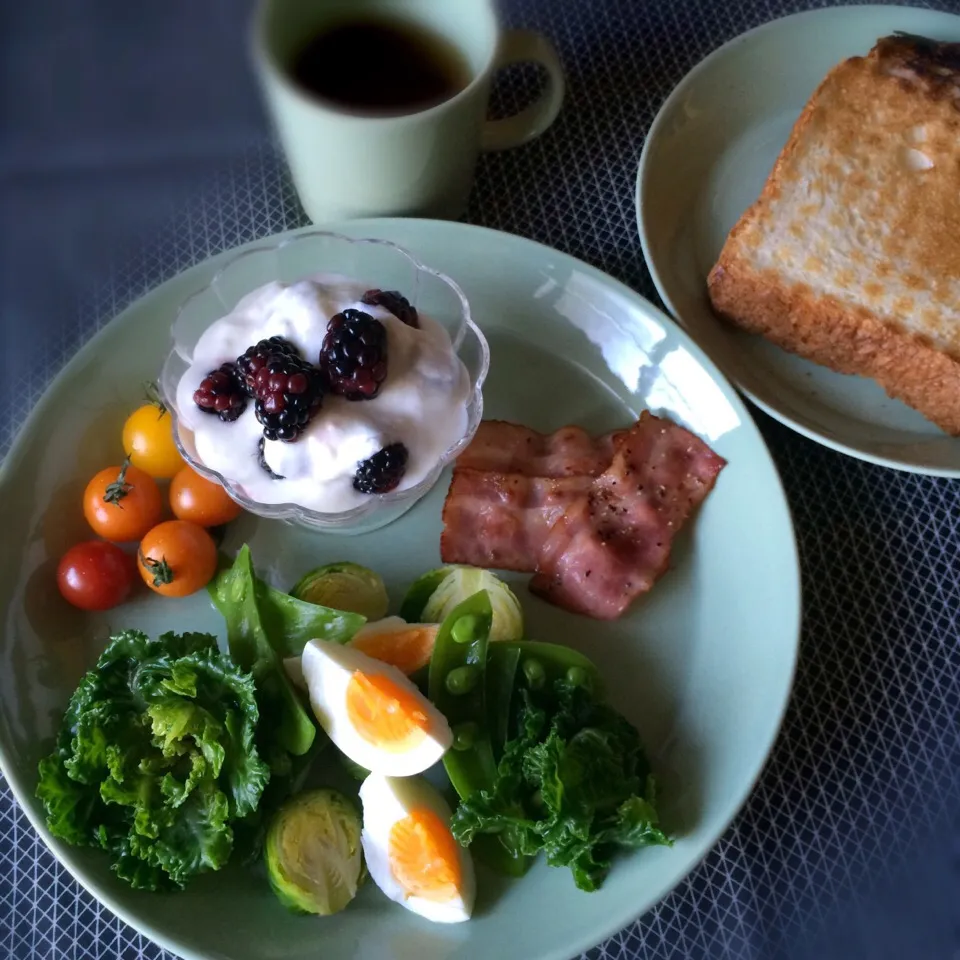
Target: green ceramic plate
x=703 y=666
x=705 y=160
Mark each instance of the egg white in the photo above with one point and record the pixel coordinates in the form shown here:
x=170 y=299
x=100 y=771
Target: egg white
x=385 y=801
x=327 y=669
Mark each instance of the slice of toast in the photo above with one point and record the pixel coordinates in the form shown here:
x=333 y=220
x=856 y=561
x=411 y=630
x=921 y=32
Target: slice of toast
x=851 y=255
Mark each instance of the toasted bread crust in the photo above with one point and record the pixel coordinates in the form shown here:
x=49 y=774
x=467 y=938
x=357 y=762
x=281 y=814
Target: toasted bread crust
x=850 y=256
x=845 y=339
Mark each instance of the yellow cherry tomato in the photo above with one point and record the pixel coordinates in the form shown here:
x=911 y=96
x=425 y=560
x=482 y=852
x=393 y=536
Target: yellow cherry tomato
x=148 y=439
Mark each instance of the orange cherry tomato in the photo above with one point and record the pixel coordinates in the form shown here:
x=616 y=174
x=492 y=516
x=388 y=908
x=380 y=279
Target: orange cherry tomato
x=122 y=503
x=177 y=558
x=200 y=500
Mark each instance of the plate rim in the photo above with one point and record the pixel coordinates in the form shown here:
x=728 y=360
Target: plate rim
x=901 y=464
x=69 y=857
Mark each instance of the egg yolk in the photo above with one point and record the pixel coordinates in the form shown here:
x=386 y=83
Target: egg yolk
x=407 y=650
x=385 y=714
x=424 y=858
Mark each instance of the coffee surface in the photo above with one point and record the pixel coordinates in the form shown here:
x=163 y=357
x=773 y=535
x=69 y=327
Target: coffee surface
x=380 y=67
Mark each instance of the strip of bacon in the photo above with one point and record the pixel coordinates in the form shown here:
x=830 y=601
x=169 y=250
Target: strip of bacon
x=503 y=520
x=614 y=543
x=501 y=447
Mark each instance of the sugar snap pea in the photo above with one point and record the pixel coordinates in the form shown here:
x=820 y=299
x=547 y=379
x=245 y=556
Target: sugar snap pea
x=542 y=664
x=502 y=660
x=478 y=731
x=457 y=687
x=512 y=664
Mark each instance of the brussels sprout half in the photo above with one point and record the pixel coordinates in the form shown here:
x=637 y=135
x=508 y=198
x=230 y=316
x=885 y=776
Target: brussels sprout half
x=463 y=582
x=344 y=586
x=313 y=853
x=421 y=590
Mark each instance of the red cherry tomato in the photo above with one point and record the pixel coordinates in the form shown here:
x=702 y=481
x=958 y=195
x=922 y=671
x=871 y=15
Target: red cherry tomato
x=95 y=575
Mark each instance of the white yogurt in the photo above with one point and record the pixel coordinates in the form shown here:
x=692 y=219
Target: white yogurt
x=422 y=403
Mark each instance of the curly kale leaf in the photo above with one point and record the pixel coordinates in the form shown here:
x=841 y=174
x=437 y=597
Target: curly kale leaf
x=573 y=783
x=156 y=759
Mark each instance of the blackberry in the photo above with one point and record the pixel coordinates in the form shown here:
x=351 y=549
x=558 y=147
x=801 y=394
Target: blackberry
x=262 y=460
x=288 y=393
x=255 y=359
x=395 y=302
x=383 y=471
x=353 y=357
x=221 y=392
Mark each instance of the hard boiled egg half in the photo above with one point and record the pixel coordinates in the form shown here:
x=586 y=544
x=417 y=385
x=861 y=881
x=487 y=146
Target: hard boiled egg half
x=407 y=646
x=409 y=849
x=372 y=712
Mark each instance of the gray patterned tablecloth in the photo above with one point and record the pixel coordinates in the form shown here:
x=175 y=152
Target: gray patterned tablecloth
x=132 y=145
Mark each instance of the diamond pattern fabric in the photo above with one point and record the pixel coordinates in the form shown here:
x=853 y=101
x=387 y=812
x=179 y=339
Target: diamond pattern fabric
x=849 y=846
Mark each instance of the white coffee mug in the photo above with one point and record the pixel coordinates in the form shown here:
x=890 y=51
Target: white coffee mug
x=421 y=163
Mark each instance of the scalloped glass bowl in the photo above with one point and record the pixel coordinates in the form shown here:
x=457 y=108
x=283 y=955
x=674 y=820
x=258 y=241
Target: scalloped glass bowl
x=374 y=262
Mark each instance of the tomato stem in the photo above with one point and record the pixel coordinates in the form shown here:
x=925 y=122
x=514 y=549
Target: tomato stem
x=117 y=490
x=159 y=568
x=153 y=396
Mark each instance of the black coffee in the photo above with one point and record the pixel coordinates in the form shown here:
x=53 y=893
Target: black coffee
x=381 y=67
